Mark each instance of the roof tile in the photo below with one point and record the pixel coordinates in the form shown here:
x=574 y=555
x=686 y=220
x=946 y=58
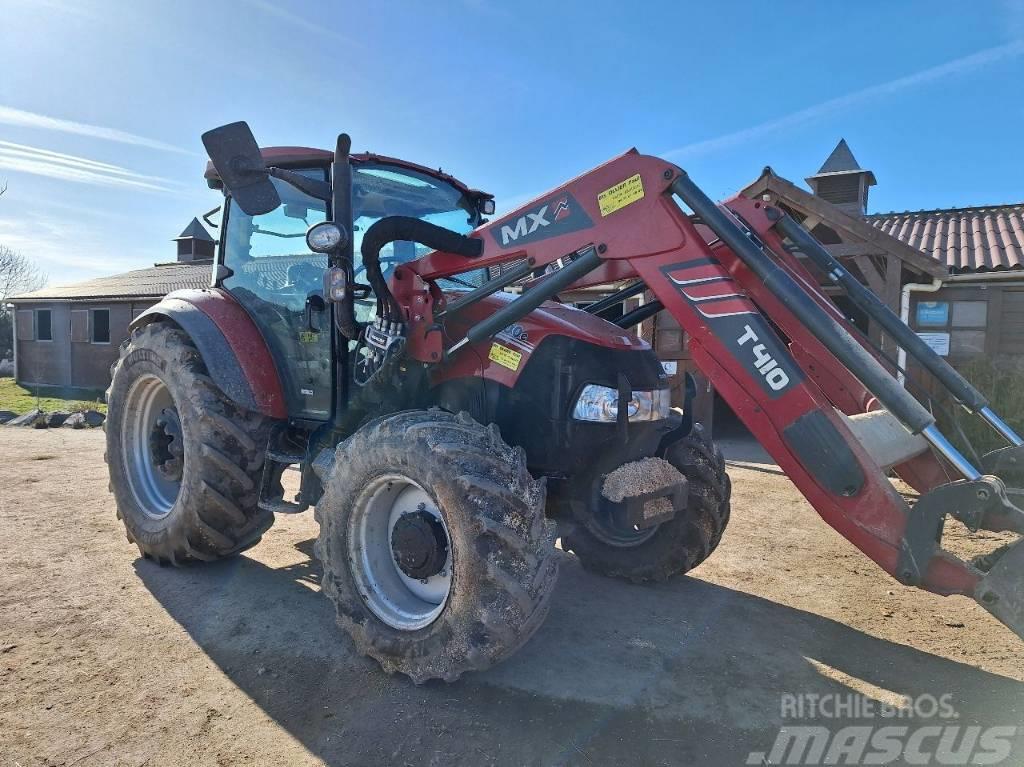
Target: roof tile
x=154 y=282
x=979 y=239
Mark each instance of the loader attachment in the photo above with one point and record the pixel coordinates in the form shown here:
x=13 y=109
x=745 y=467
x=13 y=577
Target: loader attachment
x=1001 y=591
x=790 y=365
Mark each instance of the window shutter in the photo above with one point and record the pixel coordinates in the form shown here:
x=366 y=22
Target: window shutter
x=26 y=328
x=79 y=326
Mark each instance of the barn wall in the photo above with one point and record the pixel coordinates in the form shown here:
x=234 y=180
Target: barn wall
x=90 y=361
x=998 y=337
x=44 y=362
x=72 y=360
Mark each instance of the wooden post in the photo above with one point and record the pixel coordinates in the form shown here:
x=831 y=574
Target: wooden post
x=893 y=288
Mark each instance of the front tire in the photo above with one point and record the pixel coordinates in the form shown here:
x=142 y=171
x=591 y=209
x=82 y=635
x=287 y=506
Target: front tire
x=676 y=546
x=486 y=553
x=185 y=462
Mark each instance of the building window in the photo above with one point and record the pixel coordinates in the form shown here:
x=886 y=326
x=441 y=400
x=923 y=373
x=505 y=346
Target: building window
x=953 y=328
x=970 y=314
x=44 y=325
x=100 y=326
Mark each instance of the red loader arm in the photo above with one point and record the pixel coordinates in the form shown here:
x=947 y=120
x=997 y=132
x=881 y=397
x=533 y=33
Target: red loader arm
x=729 y=282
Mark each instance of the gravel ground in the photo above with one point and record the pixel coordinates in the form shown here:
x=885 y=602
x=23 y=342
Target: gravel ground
x=106 y=658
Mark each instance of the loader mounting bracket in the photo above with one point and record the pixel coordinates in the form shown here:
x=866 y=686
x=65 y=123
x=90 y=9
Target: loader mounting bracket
x=968 y=501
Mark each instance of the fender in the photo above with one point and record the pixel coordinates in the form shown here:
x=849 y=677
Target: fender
x=232 y=347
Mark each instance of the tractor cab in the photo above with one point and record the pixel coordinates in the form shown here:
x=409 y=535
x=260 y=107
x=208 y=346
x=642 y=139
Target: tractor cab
x=266 y=263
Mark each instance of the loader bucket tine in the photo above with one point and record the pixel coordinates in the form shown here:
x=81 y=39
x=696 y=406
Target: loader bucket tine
x=1001 y=591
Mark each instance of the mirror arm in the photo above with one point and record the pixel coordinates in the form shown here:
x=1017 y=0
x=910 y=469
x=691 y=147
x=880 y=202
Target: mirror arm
x=315 y=188
x=206 y=217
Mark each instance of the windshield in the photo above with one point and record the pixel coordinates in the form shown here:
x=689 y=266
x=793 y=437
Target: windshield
x=380 y=190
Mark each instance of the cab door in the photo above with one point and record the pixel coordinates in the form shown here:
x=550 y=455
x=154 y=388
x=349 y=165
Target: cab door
x=279 y=282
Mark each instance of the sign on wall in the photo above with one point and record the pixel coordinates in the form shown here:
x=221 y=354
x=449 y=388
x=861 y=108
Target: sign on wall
x=932 y=313
x=939 y=342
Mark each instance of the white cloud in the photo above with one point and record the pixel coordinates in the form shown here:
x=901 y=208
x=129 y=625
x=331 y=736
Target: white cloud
x=67 y=250
x=67 y=167
x=826 y=108
x=23 y=119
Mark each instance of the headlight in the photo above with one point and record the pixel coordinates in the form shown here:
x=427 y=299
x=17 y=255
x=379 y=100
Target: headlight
x=601 y=404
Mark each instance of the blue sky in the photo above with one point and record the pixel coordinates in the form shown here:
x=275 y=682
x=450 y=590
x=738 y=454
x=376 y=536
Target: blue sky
x=102 y=103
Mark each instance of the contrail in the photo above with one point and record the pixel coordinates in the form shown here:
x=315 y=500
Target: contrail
x=23 y=119
x=825 y=108
x=67 y=167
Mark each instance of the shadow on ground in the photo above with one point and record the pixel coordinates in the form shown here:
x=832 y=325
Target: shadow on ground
x=678 y=673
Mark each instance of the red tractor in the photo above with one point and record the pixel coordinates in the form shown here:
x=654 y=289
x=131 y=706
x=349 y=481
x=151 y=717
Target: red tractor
x=447 y=431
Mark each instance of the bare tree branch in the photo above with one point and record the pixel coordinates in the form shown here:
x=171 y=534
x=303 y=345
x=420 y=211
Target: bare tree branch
x=17 y=275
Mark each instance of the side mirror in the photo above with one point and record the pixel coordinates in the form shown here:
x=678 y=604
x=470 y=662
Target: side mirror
x=237 y=159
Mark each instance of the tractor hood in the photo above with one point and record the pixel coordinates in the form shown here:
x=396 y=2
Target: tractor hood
x=505 y=356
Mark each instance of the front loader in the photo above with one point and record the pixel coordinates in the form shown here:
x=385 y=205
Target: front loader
x=450 y=418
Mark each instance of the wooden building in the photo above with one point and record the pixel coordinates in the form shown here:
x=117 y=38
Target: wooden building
x=955 y=275
x=67 y=337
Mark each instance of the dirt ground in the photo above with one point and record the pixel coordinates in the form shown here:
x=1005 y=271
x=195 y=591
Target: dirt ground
x=106 y=658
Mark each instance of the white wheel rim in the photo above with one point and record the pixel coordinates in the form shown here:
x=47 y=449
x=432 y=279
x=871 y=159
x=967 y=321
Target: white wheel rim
x=154 y=493
x=399 y=600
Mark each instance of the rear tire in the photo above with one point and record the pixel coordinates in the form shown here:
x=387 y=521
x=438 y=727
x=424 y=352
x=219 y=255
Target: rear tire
x=185 y=462
x=676 y=546
x=500 y=560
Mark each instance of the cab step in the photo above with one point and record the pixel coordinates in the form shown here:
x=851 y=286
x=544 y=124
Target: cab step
x=284 y=457
x=281 y=506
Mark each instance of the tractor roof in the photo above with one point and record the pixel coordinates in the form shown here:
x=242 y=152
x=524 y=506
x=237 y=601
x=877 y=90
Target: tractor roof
x=303 y=156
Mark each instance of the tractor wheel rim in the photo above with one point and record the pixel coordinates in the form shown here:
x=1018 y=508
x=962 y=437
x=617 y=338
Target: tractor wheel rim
x=152 y=443
x=400 y=601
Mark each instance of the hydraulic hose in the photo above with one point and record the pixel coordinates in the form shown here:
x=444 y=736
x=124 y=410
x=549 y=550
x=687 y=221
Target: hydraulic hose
x=405 y=228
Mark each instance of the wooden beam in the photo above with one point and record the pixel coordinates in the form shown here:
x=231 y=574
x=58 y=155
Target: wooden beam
x=893 y=283
x=810 y=222
x=854 y=248
x=872 y=276
x=891 y=297
x=849 y=227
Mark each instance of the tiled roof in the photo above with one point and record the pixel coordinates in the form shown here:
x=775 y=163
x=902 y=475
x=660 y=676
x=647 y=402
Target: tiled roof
x=155 y=282
x=964 y=239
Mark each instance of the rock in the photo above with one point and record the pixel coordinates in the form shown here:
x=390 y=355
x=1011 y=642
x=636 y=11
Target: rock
x=7 y=415
x=29 y=419
x=76 y=421
x=6 y=368
x=56 y=418
x=94 y=418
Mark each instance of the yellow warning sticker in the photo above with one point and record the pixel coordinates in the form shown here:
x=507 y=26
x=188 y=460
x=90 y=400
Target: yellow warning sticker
x=622 y=194
x=507 y=358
